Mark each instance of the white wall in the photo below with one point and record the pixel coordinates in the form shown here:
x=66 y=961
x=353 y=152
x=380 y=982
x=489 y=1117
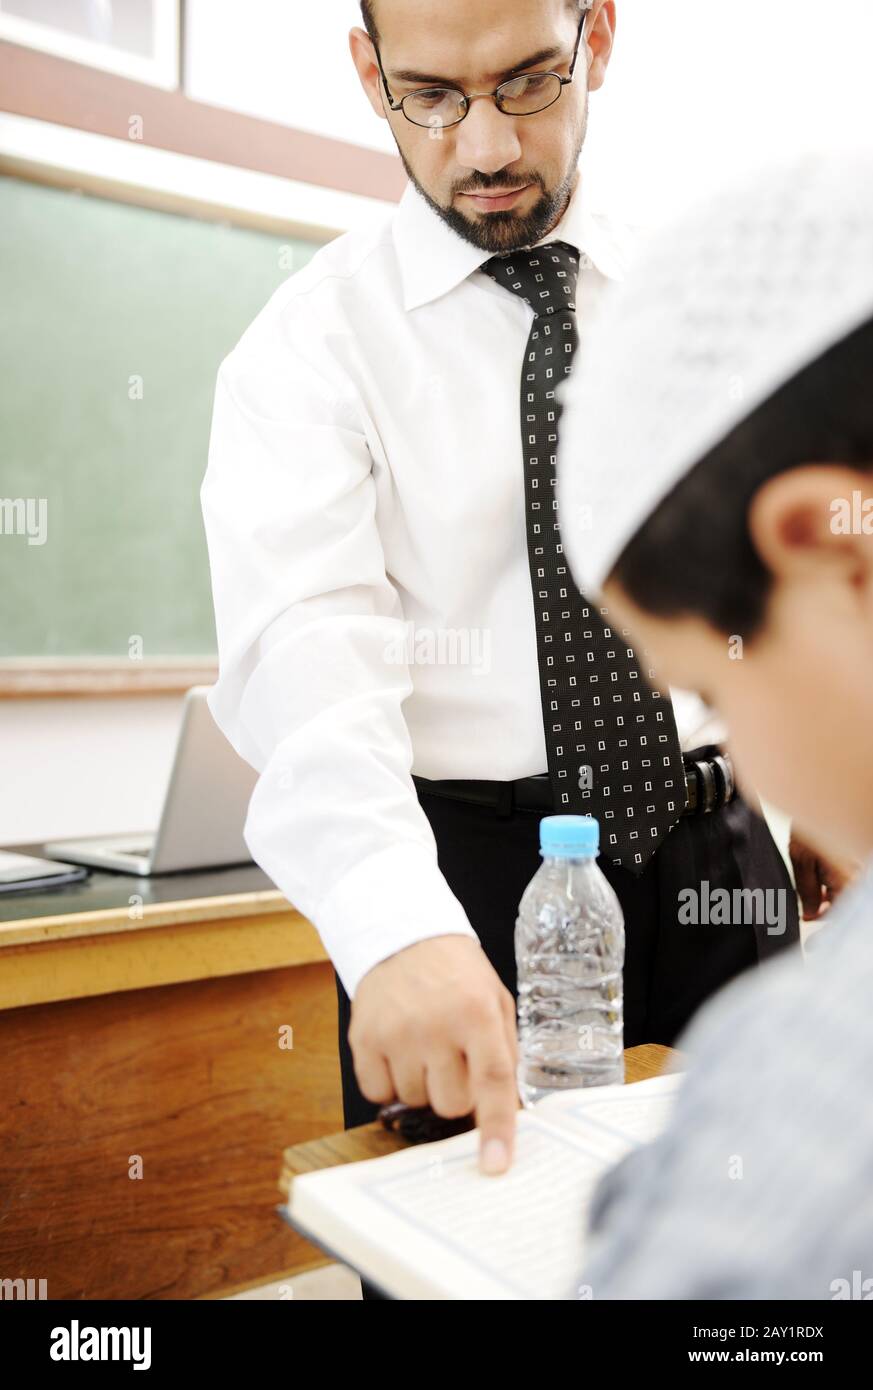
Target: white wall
x=696 y=88
x=243 y=54
x=699 y=89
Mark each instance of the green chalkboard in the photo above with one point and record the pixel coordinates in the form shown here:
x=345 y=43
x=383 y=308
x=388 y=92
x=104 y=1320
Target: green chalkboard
x=113 y=322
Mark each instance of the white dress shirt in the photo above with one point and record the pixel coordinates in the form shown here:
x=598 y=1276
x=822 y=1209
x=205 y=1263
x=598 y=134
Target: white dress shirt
x=365 y=517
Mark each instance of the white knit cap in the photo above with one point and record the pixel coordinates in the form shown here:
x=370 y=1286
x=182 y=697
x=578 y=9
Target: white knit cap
x=720 y=309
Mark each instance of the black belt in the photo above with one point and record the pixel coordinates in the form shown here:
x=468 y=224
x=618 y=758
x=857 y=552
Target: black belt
x=709 y=785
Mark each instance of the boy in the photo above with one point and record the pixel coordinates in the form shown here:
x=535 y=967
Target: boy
x=744 y=343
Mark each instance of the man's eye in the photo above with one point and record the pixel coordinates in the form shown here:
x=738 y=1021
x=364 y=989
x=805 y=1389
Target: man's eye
x=433 y=97
x=535 y=80
x=528 y=85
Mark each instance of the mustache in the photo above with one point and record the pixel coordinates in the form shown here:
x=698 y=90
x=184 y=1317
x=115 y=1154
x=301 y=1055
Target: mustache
x=485 y=182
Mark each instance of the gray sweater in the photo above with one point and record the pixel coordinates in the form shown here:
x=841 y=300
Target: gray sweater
x=762 y=1185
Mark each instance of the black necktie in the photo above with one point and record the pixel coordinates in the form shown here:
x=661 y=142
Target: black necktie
x=613 y=749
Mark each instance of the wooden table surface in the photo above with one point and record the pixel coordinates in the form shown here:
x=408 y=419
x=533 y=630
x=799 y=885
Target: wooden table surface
x=117 y=932
x=103 y=898
x=374 y=1141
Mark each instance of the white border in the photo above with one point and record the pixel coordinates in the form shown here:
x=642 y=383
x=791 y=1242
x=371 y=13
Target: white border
x=160 y=71
x=180 y=182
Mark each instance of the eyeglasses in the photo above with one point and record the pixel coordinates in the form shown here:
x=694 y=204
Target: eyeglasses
x=526 y=95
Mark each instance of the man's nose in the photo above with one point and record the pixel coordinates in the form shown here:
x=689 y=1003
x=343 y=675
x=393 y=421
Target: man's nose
x=486 y=139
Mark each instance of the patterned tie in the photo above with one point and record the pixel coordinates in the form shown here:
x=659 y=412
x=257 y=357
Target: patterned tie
x=613 y=749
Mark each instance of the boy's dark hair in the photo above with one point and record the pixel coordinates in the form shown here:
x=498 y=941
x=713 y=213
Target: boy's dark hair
x=694 y=555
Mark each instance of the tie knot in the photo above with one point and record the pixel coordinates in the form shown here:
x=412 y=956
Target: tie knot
x=544 y=276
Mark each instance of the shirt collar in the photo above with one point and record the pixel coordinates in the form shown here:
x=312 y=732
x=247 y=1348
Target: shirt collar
x=434 y=259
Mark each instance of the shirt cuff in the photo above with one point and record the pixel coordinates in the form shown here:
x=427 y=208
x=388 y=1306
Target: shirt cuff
x=387 y=902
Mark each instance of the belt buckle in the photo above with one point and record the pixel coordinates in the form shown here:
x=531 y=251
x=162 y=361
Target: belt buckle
x=692 y=788
x=726 y=770
x=714 y=782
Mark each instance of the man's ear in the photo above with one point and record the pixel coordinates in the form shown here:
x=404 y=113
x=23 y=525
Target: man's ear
x=815 y=519
x=364 y=58
x=599 y=38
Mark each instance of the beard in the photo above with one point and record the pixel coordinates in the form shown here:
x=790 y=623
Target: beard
x=506 y=231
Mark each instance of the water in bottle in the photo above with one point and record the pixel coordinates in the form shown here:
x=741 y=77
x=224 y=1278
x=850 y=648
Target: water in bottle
x=569 y=948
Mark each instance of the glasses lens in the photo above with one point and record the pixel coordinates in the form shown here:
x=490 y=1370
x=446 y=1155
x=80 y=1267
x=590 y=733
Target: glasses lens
x=435 y=107
x=534 y=91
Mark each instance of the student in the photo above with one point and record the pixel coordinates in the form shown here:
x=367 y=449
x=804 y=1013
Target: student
x=728 y=394
x=402 y=655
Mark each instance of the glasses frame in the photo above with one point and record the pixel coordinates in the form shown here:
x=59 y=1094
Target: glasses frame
x=469 y=97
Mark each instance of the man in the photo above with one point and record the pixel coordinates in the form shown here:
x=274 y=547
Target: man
x=744 y=562
x=402 y=655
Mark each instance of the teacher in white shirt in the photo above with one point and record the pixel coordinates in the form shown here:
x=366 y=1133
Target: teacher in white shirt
x=403 y=656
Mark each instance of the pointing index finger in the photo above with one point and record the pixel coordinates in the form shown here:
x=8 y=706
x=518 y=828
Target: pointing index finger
x=495 y=1096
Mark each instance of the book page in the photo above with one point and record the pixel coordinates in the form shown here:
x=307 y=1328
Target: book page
x=425 y=1223
x=614 y=1119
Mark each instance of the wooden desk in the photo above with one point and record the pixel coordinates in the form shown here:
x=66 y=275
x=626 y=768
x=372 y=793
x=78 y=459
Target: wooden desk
x=374 y=1141
x=142 y=1017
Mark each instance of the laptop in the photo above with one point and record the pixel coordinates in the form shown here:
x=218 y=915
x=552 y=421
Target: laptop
x=204 y=808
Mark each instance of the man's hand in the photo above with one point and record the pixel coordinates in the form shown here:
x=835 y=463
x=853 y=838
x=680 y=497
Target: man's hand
x=433 y=1025
x=819 y=880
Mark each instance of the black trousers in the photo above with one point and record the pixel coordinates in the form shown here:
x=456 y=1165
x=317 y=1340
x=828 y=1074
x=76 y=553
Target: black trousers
x=670 y=968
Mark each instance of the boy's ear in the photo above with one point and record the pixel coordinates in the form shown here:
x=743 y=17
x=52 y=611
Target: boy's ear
x=815 y=519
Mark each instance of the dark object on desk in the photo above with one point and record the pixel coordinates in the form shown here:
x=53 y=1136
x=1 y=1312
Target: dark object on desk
x=420 y=1124
x=45 y=885
x=102 y=890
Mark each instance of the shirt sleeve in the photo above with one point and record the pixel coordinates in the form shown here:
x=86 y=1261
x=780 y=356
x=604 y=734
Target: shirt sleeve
x=312 y=668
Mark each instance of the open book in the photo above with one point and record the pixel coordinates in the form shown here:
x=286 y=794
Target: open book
x=424 y=1223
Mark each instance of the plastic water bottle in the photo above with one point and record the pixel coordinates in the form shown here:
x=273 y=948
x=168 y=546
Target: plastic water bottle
x=569 y=948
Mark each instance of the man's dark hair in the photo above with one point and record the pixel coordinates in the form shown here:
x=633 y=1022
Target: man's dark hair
x=694 y=555
x=370 y=20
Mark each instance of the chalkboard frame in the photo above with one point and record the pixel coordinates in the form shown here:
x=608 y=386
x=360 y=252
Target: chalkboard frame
x=29 y=678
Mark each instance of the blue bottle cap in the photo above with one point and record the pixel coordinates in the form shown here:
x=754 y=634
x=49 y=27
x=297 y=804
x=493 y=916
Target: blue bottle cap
x=569 y=836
